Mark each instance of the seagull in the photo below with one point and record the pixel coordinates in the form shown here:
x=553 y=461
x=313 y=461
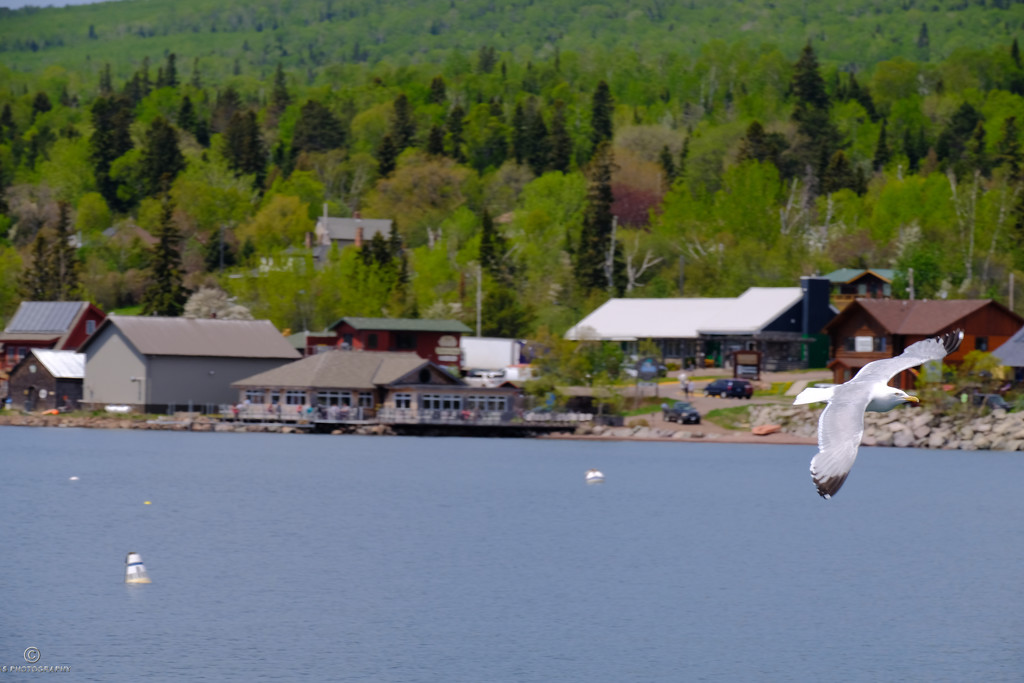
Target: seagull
x=842 y=422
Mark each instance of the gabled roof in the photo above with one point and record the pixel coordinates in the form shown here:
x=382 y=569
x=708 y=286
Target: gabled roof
x=345 y=228
x=404 y=325
x=920 y=317
x=45 y=317
x=343 y=369
x=847 y=274
x=686 y=318
x=61 y=364
x=1011 y=353
x=157 y=336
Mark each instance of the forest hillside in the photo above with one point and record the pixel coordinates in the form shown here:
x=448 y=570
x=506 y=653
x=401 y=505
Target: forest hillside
x=549 y=155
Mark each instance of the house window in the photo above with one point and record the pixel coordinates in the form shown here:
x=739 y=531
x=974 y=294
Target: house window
x=254 y=395
x=849 y=344
x=371 y=341
x=365 y=399
x=275 y=397
x=403 y=400
x=294 y=397
x=405 y=341
x=491 y=403
x=981 y=343
x=880 y=344
x=346 y=342
x=90 y=326
x=441 y=402
x=334 y=398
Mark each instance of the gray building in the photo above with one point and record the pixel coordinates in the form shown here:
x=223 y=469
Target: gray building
x=154 y=364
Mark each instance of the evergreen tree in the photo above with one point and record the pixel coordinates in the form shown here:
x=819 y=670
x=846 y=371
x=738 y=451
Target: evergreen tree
x=759 y=145
x=438 y=91
x=63 y=257
x=7 y=127
x=954 y=137
x=1008 y=151
x=403 y=126
x=317 y=130
x=599 y=263
x=839 y=174
x=244 y=148
x=559 y=141
x=37 y=281
x=504 y=314
x=923 y=40
x=229 y=102
x=486 y=60
x=387 y=156
x=168 y=75
x=162 y=160
x=882 y=152
x=668 y=166
x=165 y=295
x=601 y=112
x=493 y=250
x=684 y=155
x=196 y=81
x=454 y=125
x=1015 y=53
x=536 y=140
x=818 y=137
x=279 y=96
x=519 y=133
x=41 y=104
x=111 y=138
x=808 y=86
x=975 y=156
x=187 y=119
x=435 y=141
x=106 y=85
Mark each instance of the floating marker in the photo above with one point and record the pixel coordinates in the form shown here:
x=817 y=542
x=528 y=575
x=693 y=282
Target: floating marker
x=147 y=503
x=72 y=478
x=594 y=476
x=134 y=570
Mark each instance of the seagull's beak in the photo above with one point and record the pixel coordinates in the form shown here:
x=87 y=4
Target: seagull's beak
x=912 y=399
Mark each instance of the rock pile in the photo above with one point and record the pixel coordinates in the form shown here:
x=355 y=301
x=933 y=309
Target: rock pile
x=966 y=430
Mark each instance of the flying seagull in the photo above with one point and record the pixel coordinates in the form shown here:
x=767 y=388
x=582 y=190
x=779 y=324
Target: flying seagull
x=841 y=424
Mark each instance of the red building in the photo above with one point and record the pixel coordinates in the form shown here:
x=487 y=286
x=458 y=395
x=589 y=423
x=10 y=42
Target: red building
x=433 y=340
x=870 y=329
x=57 y=325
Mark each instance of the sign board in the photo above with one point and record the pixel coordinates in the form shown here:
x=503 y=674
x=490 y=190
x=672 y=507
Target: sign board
x=863 y=344
x=647 y=369
x=747 y=364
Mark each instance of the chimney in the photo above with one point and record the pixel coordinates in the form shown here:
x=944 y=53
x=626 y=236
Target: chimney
x=815 y=309
x=359 y=236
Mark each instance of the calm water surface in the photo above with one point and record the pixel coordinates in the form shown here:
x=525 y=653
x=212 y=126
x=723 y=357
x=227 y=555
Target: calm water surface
x=429 y=559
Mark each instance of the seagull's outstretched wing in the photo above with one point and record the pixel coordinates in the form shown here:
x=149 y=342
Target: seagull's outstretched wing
x=916 y=354
x=840 y=429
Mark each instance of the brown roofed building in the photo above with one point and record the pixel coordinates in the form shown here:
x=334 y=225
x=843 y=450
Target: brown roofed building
x=434 y=340
x=360 y=382
x=869 y=329
x=156 y=364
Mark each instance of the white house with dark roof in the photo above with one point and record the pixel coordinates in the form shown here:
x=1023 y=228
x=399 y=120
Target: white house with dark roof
x=784 y=323
x=347 y=232
x=153 y=364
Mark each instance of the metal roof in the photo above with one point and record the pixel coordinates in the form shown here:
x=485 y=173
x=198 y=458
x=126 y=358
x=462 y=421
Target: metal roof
x=156 y=336
x=404 y=325
x=38 y=317
x=686 y=318
x=340 y=369
x=61 y=364
x=1011 y=353
x=345 y=228
x=847 y=274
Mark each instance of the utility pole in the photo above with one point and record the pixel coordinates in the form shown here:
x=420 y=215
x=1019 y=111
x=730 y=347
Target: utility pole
x=910 y=282
x=479 y=297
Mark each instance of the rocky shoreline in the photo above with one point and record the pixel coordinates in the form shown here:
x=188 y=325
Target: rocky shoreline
x=905 y=428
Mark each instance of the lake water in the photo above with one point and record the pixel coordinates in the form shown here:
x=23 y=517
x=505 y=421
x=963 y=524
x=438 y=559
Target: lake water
x=277 y=557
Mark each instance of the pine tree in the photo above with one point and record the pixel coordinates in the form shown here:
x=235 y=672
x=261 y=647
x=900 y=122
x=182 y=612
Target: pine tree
x=41 y=104
x=454 y=125
x=438 y=91
x=187 y=119
x=760 y=145
x=403 y=127
x=7 y=127
x=882 y=152
x=559 y=141
x=387 y=156
x=435 y=141
x=954 y=137
x=170 y=71
x=601 y=112
x=599 y=264
x=486 y=59
x=229 y=102
x=819 y=137
x=923 y=40
x=165 y=295
x=839 y=174
x=279 y=96
x=493 y=248
x=317 y=130
x=536 y=140
x=1008 y=151
x=1015 y=53
x=975 y=156
x=111 y=138
x=519 y=133
x=668 y=166
x=196 y=80
x=162 y=159
x=106 y=85
x=36 y=282
x=244 y=148
x=63 y=257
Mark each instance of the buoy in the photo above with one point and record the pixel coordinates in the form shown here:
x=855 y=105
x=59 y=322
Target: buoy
x=147 y=503
x=594 y=476
x=134 y=570
x=72 y=478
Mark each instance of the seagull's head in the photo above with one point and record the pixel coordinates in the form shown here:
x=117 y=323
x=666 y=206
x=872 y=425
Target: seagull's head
x=888 y=398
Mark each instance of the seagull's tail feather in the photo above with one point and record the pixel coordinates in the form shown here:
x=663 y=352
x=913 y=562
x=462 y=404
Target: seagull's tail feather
x=827 y=484
x=951 y=340
x=814 y=395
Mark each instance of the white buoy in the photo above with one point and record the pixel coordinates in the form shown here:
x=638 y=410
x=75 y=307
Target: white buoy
x=134 y=570
x=72 y=478
x=594 y=476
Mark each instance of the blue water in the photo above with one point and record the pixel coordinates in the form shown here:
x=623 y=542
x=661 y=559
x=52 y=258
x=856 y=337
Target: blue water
x=279 y=557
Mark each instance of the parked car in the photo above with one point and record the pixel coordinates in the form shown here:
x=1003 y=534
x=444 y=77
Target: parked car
x=681 y=412
x=732 y=388
x=991 y=401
